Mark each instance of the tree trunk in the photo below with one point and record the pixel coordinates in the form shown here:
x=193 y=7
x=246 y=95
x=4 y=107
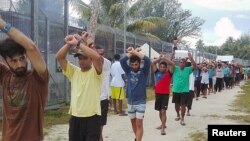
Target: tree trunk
x=91 y=29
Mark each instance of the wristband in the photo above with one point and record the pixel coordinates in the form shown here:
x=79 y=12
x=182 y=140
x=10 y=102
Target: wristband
x=6 y=28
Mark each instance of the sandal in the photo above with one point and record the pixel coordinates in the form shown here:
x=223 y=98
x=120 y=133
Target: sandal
x=159 y=127
x=182 y=123
x=177 y=119
x=163 y=132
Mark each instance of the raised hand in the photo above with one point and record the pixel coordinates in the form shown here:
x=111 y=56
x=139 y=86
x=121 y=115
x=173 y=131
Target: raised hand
x=162 y=56
x=71 y=40
x=78 y=37
x=155 y=60
x=138 y=49
x=130 y=50
x=87 y=39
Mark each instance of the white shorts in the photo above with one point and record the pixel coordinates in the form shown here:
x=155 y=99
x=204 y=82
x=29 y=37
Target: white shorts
x=136 y=111
x=214 y=80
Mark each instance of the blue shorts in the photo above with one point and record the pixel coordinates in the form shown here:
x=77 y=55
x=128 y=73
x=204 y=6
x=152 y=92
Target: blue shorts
x=136 y=111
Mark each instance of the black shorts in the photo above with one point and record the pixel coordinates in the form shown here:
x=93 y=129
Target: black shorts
x=104 y=111
x=197 y=83
x=190 y=99
x=161 y=101
x=175 y=48
x=204 y=86
x=180 y=98
x=84 y=128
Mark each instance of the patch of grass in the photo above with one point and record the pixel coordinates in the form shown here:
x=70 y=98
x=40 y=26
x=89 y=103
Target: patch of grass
x=242 y=103
x=59 y=116
x=198 y=136
x=150 y=93
x=243 y=118
x=212 y=116
x=1 y=125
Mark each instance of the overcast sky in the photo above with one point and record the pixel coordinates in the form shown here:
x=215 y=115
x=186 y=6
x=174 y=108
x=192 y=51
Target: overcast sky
x=223 y=18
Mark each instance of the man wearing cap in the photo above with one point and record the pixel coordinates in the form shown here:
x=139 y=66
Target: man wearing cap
x=85 y=81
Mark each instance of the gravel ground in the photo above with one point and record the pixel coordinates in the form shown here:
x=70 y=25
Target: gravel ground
x=204 y=111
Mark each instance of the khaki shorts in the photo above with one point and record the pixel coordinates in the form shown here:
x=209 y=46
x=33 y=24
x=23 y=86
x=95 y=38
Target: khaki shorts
x=117 y=93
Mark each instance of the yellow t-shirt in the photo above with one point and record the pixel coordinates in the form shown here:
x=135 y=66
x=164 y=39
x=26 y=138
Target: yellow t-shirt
x=85 y=91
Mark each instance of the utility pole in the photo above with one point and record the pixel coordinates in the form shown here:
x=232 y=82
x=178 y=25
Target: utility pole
x=125 y=25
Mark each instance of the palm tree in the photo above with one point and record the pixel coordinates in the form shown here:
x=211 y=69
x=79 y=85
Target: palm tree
x=93 y=18
x=84 y=10
x=145 y=26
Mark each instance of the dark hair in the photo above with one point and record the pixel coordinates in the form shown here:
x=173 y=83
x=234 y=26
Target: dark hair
x=163 y=63
x=183 y=59
x=9 y=48
x=117 y=57
x=175 y=38
x=188 y=64
x=110 y=59
x=134 y=58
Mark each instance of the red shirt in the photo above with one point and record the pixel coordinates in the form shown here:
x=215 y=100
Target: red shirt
x=163 y=85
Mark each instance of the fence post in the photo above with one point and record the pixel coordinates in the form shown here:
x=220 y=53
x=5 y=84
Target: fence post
x=34 y=20
x=66 y=30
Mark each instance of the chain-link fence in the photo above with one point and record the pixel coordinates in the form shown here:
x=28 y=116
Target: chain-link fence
x=45 y=22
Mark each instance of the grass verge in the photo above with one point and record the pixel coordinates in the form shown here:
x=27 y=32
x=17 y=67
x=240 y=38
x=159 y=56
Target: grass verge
x=198 y=136
x=242 y=103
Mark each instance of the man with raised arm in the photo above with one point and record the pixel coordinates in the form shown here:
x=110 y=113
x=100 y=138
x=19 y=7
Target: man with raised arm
x=136 y=87
x=25 y=91
x=85 y=109
x=163 y=76
x=181 y=87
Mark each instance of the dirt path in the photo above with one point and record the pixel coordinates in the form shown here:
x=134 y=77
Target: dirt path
x=205 y=111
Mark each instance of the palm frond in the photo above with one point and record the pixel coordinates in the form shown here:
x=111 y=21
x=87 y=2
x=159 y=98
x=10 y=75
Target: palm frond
x=116 y=8
x=146 y=24
x=156 y=20
x=150 y=36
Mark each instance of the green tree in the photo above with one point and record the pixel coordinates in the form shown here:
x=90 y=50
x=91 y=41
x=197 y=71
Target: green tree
x=200 y=45
x=180 y=22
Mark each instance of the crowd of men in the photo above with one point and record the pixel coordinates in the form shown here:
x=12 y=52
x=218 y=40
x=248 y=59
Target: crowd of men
x=96 y=82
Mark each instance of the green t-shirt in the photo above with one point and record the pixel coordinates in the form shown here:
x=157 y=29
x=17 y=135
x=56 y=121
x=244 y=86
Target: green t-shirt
x=181 y=79
x=245 y=70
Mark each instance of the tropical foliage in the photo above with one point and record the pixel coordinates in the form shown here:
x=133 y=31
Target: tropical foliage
x=163 y=19
x=239 y=48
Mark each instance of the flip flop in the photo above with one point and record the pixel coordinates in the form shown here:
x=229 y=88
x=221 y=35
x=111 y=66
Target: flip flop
x=159 y=127
x=182 y=123
x=177 y=119
x=163 y=132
